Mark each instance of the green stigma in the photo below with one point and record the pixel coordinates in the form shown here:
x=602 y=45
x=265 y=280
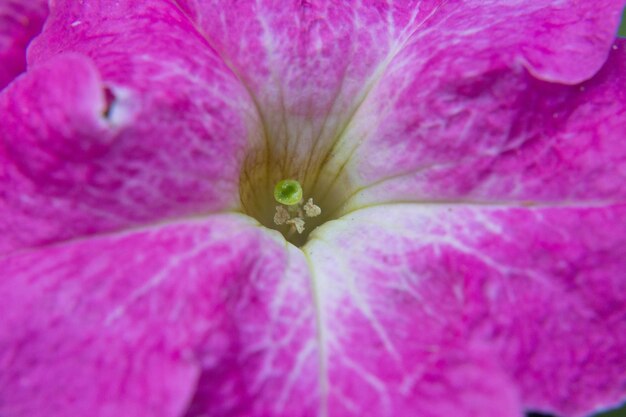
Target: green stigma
x=288 y=192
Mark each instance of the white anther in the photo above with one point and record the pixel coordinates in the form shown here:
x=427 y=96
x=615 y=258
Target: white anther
x=281 y=216
x=311 y=209
x=298 y=223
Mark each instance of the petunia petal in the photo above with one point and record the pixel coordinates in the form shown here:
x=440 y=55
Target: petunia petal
x=210 y=316
x=150 y=125
x=494 y=135
x=20 y=21
x=387 y=351
x=325 y=73
x=538 y=293
x=414 y=311
x=307 y=65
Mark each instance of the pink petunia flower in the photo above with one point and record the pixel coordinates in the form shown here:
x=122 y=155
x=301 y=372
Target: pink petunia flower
x=459 y=249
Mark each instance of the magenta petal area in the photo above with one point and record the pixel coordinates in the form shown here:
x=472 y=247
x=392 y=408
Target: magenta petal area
x=472 y=307
x=488 y=280
x=319 y=51
x=54 y=128
x=390 y=311
x=210 y=317
x=20 y=21
x=119 y=121
x=332 y=78
x=481 y=131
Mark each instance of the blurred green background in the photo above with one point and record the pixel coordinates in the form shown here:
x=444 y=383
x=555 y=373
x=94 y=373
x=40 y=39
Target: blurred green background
x=617 y=413
x=622 y=29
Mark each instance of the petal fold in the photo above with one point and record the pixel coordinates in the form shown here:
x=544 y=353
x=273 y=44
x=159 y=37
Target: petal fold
x=164 y=133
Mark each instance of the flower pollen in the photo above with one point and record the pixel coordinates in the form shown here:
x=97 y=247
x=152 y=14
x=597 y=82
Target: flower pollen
x=311 y=209
x=294 y=214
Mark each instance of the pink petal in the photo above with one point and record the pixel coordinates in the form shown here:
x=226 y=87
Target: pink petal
x=321 y=51
x=307 y=65
x=414 y=311
x=486 y=132
x=536 y=294
x=159 y=132
x=326 y=75
x=20 y=21
x=185 y=319
x=431 y=311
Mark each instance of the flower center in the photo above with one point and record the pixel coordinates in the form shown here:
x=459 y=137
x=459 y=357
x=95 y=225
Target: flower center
x=289 y=193
x=291 y=211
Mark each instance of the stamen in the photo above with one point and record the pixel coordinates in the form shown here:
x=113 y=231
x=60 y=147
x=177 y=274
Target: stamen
x=298 y=223
x=281 y=216
x=293 y=212
x=311 y=209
